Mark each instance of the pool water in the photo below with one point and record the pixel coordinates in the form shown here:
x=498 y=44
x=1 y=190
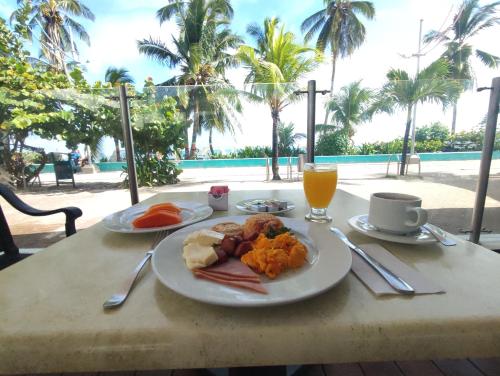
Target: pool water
x=261 y=162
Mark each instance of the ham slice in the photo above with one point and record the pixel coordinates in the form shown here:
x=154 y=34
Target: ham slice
x=232 y=268
x=232 y=273
x=226 y=277
x=254 y=286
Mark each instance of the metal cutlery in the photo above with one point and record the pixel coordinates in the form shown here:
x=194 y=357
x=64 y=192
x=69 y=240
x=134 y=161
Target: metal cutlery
x=119 y=298
x=439 y=235
x=392 y=279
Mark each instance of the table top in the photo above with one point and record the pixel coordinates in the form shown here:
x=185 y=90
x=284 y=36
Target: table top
x=51 y=316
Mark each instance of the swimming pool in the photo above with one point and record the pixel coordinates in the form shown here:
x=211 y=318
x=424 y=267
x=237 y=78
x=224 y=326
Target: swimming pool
x=261 y=162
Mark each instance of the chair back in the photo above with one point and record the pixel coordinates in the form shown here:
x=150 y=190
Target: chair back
x=7 y=244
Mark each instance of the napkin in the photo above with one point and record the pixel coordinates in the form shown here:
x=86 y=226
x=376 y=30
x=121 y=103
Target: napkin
x=377 y=284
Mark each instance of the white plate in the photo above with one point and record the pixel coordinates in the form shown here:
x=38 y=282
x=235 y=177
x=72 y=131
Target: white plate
x=122 y=221
x=329 y=261
x=244 y=206
x=360 y=224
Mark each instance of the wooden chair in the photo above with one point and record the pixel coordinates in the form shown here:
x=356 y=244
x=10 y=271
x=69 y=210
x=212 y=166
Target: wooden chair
x=10 y=251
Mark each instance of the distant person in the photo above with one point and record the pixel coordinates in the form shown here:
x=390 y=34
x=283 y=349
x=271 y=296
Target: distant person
x=74 y=158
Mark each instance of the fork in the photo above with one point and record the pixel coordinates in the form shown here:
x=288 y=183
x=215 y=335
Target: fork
x=119 y=298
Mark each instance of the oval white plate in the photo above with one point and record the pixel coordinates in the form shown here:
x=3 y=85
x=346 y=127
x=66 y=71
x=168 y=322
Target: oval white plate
x=121 y=221
x=329 y=261
x=244 y=206
x=360 y=224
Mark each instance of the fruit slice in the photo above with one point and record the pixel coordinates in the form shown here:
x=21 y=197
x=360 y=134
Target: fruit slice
x=168 y=206
x=158 y=218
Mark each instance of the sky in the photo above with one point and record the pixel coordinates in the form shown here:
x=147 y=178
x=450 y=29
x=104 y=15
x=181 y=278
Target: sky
x=393 y=33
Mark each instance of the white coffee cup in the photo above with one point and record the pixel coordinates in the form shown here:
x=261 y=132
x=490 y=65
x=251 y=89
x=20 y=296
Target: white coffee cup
x=396 y=213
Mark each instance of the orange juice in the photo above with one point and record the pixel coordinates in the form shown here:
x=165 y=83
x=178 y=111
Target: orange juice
x=319 y=187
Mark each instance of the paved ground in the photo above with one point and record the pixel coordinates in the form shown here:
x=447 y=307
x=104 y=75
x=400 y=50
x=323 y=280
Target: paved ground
x=447 y=189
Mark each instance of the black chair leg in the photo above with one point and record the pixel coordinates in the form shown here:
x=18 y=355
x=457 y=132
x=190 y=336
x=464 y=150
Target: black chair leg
x=8 y=260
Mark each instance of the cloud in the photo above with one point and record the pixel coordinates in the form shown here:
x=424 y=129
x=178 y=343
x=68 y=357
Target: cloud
x=5 y=9
x=114 y=43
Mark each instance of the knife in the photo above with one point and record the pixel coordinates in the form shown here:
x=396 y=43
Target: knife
x=397 y=283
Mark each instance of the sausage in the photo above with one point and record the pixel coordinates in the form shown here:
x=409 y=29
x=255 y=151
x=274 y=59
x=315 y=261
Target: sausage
x=229 y=244
x=222 y=256
x=252 y=236
x=243 y=248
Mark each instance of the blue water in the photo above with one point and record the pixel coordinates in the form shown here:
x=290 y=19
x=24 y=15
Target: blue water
x=261 y=162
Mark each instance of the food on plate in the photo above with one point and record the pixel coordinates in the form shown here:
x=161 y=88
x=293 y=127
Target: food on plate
x=229 y=228
x=204 y=237
x=199 y=251
x=232 y=254
x=168 y=206
x=274 y=256
x=232 y=273
x=159 y=215
x=259 y=223
x=157 y=218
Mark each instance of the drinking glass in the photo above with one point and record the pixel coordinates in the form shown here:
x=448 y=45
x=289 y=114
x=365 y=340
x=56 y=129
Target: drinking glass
x=320 y=183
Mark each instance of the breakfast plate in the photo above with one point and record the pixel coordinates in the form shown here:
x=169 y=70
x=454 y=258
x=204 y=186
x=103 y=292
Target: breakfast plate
x=265 y=205
x=360 y=224
x=328 y=262
x=121 y=221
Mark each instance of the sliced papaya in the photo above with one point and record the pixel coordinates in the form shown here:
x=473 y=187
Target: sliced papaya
x=157 y=218
x=168 y=206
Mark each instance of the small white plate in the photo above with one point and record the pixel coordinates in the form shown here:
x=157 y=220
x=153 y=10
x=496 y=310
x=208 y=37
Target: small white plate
x=121 y=221
x=360 y=224
x=245 y=206
x=328 y=262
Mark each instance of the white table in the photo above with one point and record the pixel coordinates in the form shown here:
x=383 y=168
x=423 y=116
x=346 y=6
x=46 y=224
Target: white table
x=51 y=316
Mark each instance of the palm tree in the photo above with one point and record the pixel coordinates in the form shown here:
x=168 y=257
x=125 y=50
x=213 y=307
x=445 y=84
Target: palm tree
x=352 y=106
x=468 y=22
x=402 y=91
x=201 y=51
x=55 y=20
x=287 y=138
x=116 y=77
x=274 y=67
x=339 y=28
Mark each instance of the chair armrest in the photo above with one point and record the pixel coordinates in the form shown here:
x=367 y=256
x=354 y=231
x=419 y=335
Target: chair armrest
x=71 y=212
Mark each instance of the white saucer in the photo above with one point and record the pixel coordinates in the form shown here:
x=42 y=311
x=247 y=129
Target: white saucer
x=360 y=224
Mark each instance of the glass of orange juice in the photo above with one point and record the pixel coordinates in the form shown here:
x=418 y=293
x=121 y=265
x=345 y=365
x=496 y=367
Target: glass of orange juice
x=320 y=183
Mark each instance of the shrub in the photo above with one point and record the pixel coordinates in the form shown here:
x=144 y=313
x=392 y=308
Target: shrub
x=254 y=152
x=154 y=170
x=434 y=132
x=333 y=143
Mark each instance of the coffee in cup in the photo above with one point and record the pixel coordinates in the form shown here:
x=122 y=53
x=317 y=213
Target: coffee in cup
x=396 y=213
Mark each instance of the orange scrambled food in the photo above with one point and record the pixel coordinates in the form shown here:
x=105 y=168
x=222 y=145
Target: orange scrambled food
x=274 y=256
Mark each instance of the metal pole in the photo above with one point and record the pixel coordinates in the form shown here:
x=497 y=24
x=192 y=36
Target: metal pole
x=415 y=106
x=129 y=145
x=311 y=119
x=486 y=156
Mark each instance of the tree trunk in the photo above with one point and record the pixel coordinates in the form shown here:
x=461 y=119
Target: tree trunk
x=405 y=141
x=196 y=127
x=275 y=166
x=186 y=144
x=210 y=141
x=334 y=65
x=454 y=119
x=117 y=149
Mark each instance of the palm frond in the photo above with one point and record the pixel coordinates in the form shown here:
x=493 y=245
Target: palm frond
x=487 y=59
x=157 y=50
